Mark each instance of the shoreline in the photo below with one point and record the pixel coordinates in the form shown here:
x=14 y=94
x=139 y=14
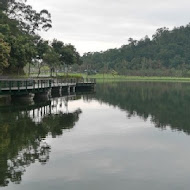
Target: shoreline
x=139 y=78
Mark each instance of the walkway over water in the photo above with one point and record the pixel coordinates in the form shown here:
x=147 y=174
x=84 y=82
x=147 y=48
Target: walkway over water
x=34 y=86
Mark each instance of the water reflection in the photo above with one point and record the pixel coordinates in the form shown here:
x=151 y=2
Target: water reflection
x=23 y=127
x=167 y=104
x=108 y=146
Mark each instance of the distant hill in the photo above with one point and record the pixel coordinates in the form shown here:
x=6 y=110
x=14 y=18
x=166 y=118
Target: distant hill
x=167 y=53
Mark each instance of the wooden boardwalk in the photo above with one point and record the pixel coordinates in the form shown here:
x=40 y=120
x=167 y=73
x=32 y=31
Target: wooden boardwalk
x=34 y=86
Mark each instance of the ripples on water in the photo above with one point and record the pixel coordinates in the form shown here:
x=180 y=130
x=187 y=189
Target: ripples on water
x=125 y=136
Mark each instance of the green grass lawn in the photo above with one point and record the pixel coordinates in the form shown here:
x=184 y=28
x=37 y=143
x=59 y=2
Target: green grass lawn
x=109 y=77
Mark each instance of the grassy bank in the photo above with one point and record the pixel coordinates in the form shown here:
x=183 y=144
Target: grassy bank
x=109 y=77
x=47 y=75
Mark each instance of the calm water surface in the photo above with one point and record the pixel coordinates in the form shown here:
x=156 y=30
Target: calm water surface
x=131 y=136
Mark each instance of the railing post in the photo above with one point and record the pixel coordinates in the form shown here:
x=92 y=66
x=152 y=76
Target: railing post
x=26 y=82
x=10 y=86
x=33 y=85
x=18 y=85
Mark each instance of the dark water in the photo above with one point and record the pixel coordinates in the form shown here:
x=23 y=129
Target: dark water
x=131 y=136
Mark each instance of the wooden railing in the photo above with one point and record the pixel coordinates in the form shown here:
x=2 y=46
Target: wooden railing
x=9 y=84
x=21 y=84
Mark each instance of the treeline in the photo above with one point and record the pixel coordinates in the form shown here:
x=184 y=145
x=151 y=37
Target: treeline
x=167 y=53
x=20 y=45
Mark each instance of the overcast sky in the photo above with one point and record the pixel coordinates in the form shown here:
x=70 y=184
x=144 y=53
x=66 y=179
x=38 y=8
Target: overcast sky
x=95 y=25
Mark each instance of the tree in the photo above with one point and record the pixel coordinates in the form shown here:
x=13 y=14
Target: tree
x=18 y=24
x=67 y=53
x=167 y=51
x=51 y=58
x=41 y=50
x=29 y=20
x=4 y=53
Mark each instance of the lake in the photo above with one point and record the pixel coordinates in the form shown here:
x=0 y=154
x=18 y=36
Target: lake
x=126 y=135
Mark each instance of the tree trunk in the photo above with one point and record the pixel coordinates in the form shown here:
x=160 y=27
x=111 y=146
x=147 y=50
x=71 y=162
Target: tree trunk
x=18 y=71
x=51 y=71
x=67 y=70
x=29 y=70
x=39 y=71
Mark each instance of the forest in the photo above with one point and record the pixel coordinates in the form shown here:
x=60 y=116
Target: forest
x=20 y=44
x=167 y=53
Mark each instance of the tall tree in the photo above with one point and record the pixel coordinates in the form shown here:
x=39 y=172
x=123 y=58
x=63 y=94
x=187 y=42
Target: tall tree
x=67 y=53
x=51 y=58
x=29 y=20
x=18 y=24
x=4 y=54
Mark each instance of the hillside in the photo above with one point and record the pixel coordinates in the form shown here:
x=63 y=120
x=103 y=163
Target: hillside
x=167 y=53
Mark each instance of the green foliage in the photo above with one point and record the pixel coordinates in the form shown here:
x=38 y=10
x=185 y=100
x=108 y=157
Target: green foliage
x=22 y=52
x=166 y=51
x=67 y=53
x=51 y=58
x=18 y=23
x=21 y=46
x=4 y=53
x=29 y=20
x=41 y=48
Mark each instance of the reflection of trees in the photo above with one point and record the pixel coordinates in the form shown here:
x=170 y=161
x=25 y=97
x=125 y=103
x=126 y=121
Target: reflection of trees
x=168 y=104
x=21 y=138
x=16 y=166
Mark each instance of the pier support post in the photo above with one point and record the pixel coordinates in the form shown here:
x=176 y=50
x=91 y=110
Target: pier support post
x=69 y=89
x=60 y=91
x=74 y=89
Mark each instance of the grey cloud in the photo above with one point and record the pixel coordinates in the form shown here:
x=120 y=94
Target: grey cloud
x=110 y=22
